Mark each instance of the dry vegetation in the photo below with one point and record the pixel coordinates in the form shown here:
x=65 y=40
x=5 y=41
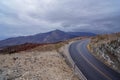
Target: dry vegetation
x=35 y=62
x=34 y=66
x=107 y=49
x=28 y=46
x=40 y=47
x=18 y=48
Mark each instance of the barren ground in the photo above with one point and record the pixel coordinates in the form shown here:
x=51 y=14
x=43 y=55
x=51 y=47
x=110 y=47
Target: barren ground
x=34 y=65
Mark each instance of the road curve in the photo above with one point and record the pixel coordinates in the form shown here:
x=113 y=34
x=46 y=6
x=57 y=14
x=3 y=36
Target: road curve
x=91 y=67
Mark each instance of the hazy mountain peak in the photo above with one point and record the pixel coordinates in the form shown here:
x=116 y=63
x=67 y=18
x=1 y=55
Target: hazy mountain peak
x=49 y=37
x=58 y=31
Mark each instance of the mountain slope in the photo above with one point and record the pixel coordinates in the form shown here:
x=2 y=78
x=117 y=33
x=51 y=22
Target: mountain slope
x=82 y=33
x=49 y=37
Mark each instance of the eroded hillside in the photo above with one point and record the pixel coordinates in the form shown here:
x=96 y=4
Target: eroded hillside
x=107 y=49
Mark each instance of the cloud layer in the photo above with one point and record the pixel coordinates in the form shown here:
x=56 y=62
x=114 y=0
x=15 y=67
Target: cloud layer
x=23 y=17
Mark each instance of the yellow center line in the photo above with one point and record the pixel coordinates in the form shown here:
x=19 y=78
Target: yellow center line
x=93 y=65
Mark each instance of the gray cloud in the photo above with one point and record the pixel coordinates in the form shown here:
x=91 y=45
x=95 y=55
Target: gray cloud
x=33 y=16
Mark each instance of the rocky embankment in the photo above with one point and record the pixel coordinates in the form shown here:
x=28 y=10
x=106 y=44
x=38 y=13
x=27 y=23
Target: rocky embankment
x=107 y=49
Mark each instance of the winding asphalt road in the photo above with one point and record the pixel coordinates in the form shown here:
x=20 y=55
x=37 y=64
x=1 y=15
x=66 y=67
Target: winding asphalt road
x=92 y=68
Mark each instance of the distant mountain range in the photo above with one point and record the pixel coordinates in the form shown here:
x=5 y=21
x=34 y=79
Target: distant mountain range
x=49 y=37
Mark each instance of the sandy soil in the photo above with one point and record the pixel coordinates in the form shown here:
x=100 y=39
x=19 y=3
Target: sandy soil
x=34 y=65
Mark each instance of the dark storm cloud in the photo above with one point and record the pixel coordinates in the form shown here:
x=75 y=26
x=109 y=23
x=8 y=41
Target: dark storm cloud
x=33 y=16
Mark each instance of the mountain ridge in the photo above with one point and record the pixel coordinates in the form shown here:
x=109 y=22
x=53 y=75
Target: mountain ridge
x=48 y=37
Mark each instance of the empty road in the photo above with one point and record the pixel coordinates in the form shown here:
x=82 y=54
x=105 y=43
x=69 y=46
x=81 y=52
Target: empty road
x=91 y=67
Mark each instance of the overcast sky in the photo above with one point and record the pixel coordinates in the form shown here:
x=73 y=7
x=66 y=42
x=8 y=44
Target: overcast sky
x=26 y=17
